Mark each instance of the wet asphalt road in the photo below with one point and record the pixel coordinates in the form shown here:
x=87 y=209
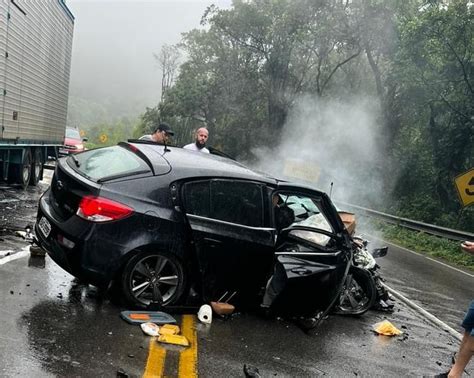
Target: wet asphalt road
x=54 y=326
x=440 y=289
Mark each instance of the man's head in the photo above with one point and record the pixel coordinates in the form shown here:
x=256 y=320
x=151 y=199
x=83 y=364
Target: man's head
x=201 y=137
x=162 y=133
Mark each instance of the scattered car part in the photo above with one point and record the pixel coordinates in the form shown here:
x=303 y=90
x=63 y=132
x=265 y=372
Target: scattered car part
x=251 y=371
x=138 y=317
x=150 y=329
x=169 y=329
x=174 y=339
x=205 y=314
x=223 y=308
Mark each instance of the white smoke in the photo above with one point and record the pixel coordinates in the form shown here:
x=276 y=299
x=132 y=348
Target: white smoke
x=331 y=141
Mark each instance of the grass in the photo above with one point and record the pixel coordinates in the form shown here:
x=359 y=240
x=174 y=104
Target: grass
x=444 y=249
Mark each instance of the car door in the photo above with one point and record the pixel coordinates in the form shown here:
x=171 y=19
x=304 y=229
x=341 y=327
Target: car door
x=312 y=256
x=233 y=242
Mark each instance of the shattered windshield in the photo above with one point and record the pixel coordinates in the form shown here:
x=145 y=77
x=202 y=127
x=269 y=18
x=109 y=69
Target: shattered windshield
x=300 y=210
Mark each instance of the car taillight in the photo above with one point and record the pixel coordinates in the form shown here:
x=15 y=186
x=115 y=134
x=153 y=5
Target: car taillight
x=98 y=209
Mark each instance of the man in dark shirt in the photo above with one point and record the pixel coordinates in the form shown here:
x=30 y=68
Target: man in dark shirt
x=160 y=135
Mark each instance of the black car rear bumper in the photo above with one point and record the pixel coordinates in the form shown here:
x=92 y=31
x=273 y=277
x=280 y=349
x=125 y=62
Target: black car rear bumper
x=78 y=261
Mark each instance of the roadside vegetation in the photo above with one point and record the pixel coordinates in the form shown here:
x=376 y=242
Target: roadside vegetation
x=440 y=248
x=244 y=72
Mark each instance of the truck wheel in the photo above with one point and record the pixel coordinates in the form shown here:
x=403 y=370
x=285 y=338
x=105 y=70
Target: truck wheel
x=21 y=173
x=37 y=168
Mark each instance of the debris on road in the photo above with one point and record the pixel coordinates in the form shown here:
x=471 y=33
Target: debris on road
x=138 y=317
x=251 y=371
x=223 y=308
x=121 y=373
x=386 y=328
x=37 y=251
x=169 y=329
x=150 y=329
x=174 y=339
x=205 y=314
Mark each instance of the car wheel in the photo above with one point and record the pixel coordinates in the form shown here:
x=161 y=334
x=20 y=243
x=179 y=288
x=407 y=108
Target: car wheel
x=153 y=277
x=358 y=293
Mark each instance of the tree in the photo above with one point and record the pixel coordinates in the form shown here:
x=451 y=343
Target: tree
x=168 y=61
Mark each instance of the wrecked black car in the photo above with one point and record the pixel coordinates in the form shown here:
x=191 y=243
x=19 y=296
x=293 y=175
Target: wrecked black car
x=166 y=224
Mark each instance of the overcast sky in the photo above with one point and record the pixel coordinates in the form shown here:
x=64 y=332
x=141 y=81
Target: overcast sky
x=114 y=42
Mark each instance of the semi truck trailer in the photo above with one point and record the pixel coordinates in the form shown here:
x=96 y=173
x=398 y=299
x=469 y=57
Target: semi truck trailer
x=35 y=60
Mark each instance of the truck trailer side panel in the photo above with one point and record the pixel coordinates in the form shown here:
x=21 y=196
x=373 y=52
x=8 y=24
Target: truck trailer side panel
x=35 y=60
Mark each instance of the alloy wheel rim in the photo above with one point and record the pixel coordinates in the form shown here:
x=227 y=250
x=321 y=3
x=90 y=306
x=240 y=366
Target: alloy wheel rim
x=154 y=279
x=353 y=296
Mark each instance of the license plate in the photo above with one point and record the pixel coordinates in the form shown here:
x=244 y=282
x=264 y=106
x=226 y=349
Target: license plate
x=44 y=226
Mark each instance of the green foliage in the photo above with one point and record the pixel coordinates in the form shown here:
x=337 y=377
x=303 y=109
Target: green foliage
x=114 y=133
x=435 y=70
x=248 y=65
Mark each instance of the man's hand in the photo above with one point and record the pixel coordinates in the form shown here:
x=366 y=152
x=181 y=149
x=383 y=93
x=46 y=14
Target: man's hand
x=468 y=247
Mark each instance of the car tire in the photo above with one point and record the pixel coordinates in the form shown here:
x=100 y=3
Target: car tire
x=358 y=294
x=153 y=278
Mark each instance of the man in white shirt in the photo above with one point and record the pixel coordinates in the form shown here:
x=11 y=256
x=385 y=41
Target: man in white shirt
x=200 y=141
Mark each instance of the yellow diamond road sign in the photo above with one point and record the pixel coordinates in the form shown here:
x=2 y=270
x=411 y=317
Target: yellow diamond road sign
x=103 y=138
x=465 y=185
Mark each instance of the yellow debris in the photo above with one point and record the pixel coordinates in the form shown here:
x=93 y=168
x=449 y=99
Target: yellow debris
x=387 y=329
x=169 y=329
x=173 y=339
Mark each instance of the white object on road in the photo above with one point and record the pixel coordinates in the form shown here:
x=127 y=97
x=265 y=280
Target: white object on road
x=151 y=329
x=205 y=314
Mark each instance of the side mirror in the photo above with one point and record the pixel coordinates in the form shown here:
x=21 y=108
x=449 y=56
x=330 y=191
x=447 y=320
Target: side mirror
x=85 y=139
x=379 y=252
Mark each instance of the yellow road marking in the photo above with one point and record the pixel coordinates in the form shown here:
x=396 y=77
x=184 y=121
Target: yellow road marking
x=156 y=360
x=188 y=357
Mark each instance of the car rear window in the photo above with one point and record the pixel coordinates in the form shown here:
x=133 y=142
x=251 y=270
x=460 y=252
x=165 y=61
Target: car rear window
x=108 y=162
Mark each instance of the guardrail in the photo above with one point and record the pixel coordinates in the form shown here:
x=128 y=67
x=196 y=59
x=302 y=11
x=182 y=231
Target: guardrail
x=411 y=224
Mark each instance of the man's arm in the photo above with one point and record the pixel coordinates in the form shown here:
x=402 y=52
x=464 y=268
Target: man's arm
x=468 y=247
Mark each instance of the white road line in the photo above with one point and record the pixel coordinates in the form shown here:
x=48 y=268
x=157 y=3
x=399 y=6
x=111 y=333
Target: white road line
x=25 y=251
x=424 y=313
x=426 y=257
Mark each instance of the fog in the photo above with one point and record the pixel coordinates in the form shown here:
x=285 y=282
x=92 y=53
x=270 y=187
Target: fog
x=113 y=68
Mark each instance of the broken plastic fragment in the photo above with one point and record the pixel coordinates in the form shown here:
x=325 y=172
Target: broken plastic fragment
x=150 y=329
x=169 y=329
x=173 y=339
x=386 y=328
x=222 y=308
